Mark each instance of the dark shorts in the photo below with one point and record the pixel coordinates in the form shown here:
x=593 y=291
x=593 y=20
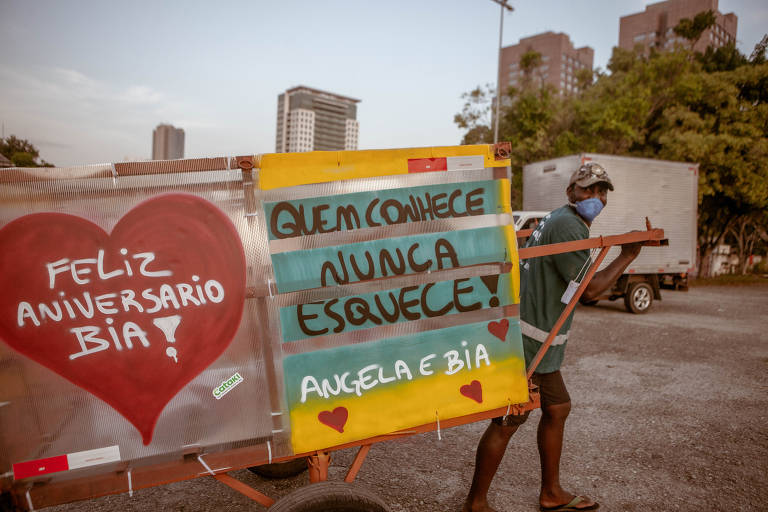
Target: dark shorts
x=552 y=391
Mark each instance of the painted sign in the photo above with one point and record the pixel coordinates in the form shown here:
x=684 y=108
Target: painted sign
x=331 y=266
x=358 y=391
x=130 y=316
x=344 y=212
x=385 y=307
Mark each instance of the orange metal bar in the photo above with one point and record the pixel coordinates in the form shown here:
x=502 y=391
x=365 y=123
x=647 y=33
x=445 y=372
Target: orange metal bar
x=245 y=489
x=567 y=310
x=522 y=233
x=357 y=463
x=591 y=243
x=318 y=467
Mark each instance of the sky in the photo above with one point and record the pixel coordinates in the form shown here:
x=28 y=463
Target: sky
x=87 y=81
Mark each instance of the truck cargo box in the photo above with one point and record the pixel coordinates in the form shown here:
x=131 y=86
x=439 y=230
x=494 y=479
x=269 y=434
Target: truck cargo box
x=666 y=192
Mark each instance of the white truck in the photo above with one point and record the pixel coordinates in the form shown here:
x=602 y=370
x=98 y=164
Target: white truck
x=663 y=191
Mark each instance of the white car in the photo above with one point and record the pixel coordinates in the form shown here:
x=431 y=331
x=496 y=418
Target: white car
x=528 y=219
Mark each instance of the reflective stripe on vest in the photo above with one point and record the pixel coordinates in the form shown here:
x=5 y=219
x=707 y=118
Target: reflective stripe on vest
x=537 y=334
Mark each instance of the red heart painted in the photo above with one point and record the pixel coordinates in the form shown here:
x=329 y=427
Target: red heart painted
x=473 y=390
x=197 y=274
x=499 y=329
x=336 y=419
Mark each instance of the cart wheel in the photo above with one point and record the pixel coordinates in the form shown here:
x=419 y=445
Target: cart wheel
x=330 y=497
x=281 y=469
x=639 y=297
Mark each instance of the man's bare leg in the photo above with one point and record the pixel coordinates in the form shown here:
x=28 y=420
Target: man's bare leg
x=490 y=451
x=550 y=441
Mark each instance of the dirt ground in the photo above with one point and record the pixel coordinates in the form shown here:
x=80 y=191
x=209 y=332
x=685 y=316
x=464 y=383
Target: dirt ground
x=670 y=412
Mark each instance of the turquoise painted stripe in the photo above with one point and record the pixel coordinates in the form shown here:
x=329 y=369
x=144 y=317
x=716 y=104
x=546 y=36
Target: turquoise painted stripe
x=425 y=355
x=329 y=266
x=393 y=306
x=286 y=219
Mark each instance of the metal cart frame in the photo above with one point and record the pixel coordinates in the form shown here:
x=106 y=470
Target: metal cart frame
x=27 y=496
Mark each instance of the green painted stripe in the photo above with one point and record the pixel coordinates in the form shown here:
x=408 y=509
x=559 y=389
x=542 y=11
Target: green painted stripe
x=393 y=306
x=384 y=363
x=329 y=266
x=286 y=219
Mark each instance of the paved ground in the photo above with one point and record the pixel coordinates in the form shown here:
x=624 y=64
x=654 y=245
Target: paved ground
x=670 y=413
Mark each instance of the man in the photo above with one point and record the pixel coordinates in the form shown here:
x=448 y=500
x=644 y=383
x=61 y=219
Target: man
x=544 y=281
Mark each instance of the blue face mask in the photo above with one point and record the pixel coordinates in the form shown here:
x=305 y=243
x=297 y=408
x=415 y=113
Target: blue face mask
x=589 y=208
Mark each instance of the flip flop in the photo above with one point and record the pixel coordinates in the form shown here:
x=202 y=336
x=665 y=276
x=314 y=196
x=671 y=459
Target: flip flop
x=571 y=506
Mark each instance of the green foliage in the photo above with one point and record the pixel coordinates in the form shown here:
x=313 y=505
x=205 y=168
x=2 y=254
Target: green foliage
x=477 y=108
x=725 y=58
x=709 y=108
x=758 y=54
x=761 y=268
x=692 y=29
x=21 y=153
x=23 y=159
x=12 y=144
x=530 y=61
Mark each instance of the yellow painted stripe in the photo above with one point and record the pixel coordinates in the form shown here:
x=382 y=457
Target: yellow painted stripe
x=409 y=403
x=505 y=195
x=290 y=169
x=514 y=258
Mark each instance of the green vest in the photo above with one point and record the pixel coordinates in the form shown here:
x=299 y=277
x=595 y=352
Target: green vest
x=543 y=280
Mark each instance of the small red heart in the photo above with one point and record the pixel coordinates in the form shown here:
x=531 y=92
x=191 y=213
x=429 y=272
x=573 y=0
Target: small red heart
x=473 y=390
x=336 y=419
x=499 y=329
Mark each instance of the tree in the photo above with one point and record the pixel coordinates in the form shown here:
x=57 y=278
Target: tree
x=724 y=58
x=530 y=62
x=747 y=231
x=709 y=108
x=21 y=153
x=692 y=29
x=475 y=115
x=758 y=54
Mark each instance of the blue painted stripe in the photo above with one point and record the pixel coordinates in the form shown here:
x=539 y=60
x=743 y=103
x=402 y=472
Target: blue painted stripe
x=329 y=266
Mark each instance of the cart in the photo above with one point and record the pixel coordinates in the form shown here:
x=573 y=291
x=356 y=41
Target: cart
x=242 y=189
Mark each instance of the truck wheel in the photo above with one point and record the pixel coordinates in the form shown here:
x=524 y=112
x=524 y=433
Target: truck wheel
x=330 y=497
x=639 y=297
x=281 y=469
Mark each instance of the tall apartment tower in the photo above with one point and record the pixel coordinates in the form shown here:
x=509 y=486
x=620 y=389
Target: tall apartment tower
x=167 y=142
x=559 y=62
x=654 y=27
x=313 y=120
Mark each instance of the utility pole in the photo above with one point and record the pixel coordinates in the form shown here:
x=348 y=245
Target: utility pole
x=504 y=5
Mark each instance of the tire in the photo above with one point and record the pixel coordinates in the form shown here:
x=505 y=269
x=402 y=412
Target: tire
x=281 y=469
x=330 y=497
x=639 y=297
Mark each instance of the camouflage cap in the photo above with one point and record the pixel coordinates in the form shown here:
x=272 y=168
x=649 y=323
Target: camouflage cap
x=589 y=174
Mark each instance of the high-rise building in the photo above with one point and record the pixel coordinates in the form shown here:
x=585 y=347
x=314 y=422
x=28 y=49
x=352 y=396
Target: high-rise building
x=654 y=27
x=167 y=142
x=560 y=62
x=313 y=120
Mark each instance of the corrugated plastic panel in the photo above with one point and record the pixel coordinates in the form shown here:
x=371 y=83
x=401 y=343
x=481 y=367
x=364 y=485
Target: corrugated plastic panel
x=60 y=391
x=385 y=265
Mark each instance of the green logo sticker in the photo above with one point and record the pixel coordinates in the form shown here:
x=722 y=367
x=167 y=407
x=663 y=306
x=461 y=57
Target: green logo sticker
x=227 y=386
